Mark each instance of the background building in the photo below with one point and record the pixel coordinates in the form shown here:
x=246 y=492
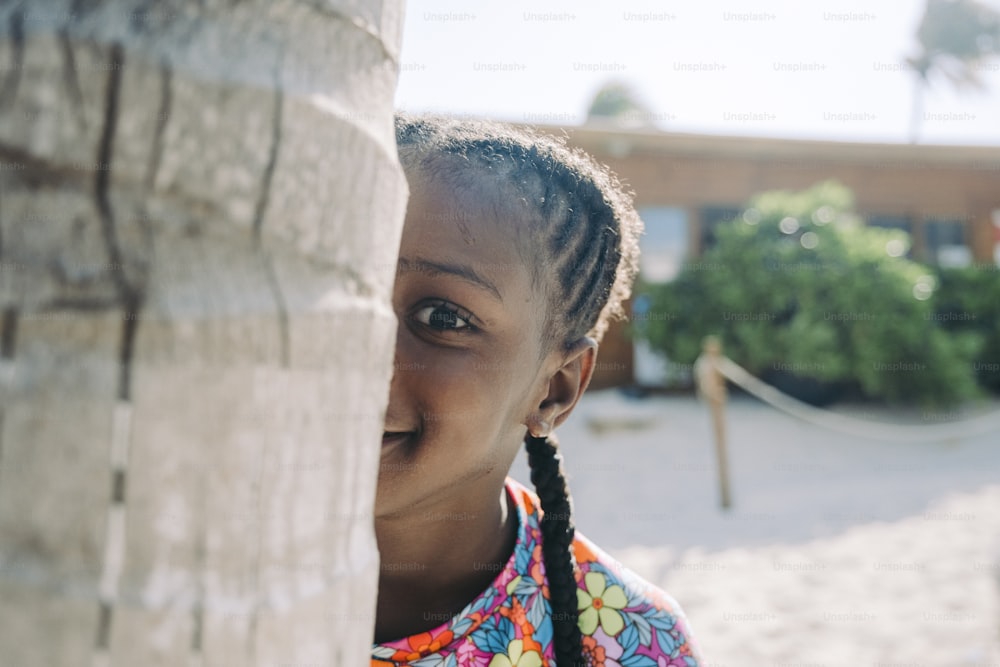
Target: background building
x=946 y=197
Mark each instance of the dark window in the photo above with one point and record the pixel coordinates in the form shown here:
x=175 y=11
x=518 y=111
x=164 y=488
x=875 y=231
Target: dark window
x=946 y=242
x=664 y=245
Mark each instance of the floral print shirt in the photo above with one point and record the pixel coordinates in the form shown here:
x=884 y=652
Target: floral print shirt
x=625 y=621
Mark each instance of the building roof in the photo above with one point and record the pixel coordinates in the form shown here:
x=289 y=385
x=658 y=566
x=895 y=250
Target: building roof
x=617 y=141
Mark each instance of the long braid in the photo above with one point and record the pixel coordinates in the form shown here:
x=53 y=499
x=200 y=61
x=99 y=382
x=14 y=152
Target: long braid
x=557 y=546
x=586 y=230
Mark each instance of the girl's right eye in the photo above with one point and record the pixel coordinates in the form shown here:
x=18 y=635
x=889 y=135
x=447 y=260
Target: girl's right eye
x=444 y=316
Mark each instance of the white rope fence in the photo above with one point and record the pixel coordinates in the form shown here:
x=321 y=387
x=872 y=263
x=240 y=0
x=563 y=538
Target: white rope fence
x=712 y=369
x=956 y=430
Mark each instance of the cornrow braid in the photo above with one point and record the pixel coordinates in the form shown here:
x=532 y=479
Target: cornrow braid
x=582 y=225
x=581 y=221
x=557 y=546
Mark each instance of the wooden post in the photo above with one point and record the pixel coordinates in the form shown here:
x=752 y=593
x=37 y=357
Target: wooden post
x=200 y=209
x=712 y=388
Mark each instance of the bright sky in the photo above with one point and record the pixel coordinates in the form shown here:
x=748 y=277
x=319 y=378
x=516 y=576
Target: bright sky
x=825 y=70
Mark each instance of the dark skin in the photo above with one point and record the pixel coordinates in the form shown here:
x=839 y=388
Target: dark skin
x=473 y=374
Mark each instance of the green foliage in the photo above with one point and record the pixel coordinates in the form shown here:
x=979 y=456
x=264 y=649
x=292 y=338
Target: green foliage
x=618 y=102
x=800 y=284
x=968 y=301
x=954 y=36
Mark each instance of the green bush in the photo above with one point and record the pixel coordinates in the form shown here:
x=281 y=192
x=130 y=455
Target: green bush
x=968 y=300
x=799 y=284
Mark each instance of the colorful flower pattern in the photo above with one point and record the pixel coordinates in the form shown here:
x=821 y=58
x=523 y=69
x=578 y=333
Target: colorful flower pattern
x=625 y=621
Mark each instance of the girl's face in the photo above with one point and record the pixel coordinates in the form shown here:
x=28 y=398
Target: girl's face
x=469 y=369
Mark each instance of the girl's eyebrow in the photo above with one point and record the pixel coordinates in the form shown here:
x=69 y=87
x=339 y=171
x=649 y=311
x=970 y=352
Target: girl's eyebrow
x=463 y=271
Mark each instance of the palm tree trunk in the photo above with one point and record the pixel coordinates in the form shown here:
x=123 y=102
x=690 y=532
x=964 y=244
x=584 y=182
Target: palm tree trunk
x=200 y=207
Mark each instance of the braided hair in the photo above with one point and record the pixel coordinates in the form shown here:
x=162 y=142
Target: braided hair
x=582 y=224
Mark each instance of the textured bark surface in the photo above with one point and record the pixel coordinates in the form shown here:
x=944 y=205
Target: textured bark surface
x=200 y=208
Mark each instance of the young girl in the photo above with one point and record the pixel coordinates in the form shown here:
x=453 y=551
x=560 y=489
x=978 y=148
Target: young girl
x=516 y=251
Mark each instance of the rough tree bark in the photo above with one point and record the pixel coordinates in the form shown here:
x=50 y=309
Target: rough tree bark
x=200 y=208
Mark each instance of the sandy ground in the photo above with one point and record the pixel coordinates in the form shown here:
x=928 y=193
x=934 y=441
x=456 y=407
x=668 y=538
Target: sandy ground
x=838 y=550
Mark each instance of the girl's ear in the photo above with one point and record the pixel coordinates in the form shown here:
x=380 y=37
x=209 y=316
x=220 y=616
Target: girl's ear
x=565 y=386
